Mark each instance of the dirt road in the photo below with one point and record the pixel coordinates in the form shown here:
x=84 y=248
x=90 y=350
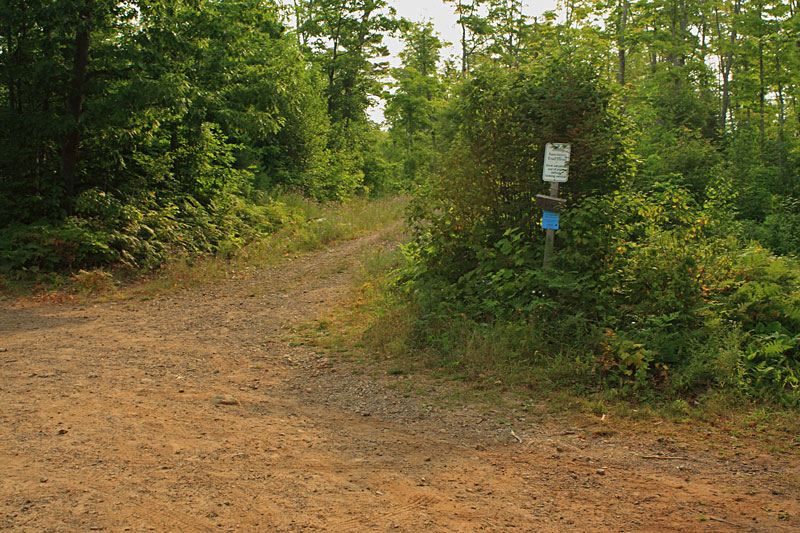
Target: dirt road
x=198 y=412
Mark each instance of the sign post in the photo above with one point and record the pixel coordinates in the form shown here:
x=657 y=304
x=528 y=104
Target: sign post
x=555 y=170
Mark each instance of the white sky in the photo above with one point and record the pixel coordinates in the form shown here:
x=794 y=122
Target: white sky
x=444 y=20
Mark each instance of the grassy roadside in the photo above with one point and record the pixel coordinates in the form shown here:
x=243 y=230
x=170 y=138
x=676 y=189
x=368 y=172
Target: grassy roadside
x=377 y=333
x=308 y=226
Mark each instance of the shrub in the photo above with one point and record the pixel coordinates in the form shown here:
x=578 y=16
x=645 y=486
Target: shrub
x=663 y=302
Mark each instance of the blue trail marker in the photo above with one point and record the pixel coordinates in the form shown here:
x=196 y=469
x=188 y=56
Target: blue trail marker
x=549 y=220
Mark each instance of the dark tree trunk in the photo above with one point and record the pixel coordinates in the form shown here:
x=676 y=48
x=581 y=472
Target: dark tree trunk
x=622 y=24
x=69 y=158
x=761 y=92
x=464 y=54
x=726 y=63
x=781 y=111
x=435 y=150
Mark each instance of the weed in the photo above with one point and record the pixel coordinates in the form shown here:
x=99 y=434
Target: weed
x=93 y=281
x=597 y=407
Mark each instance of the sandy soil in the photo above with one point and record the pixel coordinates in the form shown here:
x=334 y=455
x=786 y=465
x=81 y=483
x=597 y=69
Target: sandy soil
x=198 y=411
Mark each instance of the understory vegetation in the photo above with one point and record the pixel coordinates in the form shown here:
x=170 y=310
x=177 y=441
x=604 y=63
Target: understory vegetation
x=297 y=225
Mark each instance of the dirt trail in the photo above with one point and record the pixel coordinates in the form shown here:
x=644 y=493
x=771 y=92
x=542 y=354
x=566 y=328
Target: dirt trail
x=196 y=412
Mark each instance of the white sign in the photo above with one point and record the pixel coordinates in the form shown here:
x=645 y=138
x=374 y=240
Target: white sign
x=556 y=162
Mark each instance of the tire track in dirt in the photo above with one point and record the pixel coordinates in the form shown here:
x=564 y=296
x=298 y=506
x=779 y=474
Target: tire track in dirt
x=412 y=506
x=108 y=419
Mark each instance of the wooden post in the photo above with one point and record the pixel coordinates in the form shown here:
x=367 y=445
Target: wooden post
x=550 y=235
x=555 y=169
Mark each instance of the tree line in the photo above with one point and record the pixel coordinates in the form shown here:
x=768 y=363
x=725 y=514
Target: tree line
x=130 y=128
x=113 y=113
x=709 y=88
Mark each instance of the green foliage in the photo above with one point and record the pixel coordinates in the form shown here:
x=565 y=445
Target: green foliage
x=663 y=301
x=781 y=229
x=136 y=132
x=486 y=188
x=346 y=40
x=653 y=272
x=765 y=302
x=156 y=141
x=413 y=110
x=43 y=248
x=106 y=231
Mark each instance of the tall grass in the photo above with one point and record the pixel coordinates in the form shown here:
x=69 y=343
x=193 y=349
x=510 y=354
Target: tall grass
x=322 y=224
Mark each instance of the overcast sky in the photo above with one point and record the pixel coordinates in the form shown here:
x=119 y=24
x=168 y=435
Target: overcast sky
x=444 y=20
x=443 y=16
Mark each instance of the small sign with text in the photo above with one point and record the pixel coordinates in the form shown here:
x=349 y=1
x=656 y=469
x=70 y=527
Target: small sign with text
x=556 y=162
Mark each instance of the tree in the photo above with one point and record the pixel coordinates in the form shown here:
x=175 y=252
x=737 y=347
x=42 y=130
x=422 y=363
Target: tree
x=48 y=76
x=412 y=110
x=474 y=28
x=128 y=123
x=505 y=118
x=345 y=38
x=508 y=30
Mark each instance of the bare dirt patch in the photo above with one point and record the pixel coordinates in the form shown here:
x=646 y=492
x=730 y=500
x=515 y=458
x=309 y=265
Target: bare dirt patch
x=199 y=411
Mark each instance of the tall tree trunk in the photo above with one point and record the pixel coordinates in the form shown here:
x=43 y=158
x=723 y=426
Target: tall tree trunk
x=435 y=150
x=302 y=36
x=622 y=24
x=363 y=33
x=679 y=20
x=781 y=110
x=683 y=28
x=761 y=92
x=69 y=157
x=11 y=84
x=464 y=66
x=332 y=75
x=335 y=38
x=726 y=61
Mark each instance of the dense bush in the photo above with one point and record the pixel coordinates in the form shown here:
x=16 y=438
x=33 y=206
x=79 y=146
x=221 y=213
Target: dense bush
x=493 y=165
x=650 y=288
x=780 y=230
x=106 y=231
x=656 y=299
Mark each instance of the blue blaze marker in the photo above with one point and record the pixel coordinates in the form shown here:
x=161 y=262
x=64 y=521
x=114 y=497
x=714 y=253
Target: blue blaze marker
x=549 y=220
